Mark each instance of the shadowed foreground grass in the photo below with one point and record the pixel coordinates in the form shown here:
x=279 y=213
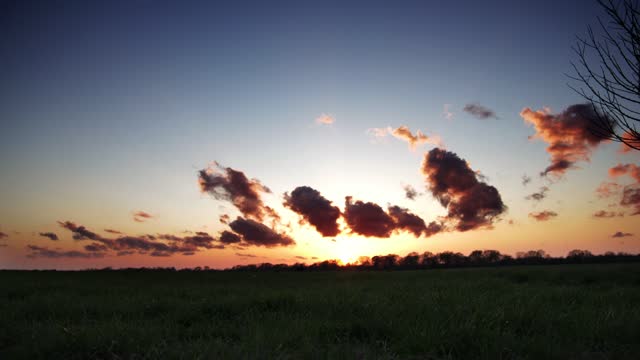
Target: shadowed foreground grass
x=569 y=311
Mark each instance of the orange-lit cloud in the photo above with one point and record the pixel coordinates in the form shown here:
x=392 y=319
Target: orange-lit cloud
x=325 y=119
x=626 y=169
x=569 y=134
x=404 y=133
x=314 y=209
x=543 y=215
x=471 y=203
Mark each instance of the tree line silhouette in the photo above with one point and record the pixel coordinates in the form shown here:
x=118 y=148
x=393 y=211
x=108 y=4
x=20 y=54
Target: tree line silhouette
x=448 y=259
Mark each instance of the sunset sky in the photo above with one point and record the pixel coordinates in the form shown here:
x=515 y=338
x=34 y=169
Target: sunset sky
x=152 y=118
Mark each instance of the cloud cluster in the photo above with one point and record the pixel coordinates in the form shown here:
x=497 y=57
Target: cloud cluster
x=370 y=219
x=570 y=135
x=49 y=235
x=3 y=235
x=233 y=185
x=314 y=209
x=543 y=215
x=471 y=203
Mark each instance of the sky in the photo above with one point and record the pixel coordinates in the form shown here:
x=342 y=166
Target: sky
x=186 y=127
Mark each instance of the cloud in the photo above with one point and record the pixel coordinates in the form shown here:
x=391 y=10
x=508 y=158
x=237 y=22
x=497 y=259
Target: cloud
x=227 y=237
x=404 y=133
x=405 y=220
x=246 y=255
x=568 y=134
x=525 y=180
x=631 y=198
x=224 y=218
x=3 y=235
x=410 y=192
x=96 y=247
x=255 y=233
x=170 y=244
x=608 y=189
x=631 y=139
x=43 y=252
x=50 y=235
x=543 y=215
x=538 y=196
x=80 y=232
x=111 y=231
x=603 y=214
x=325 y=119
x=471 y=203
x=447 y=113
x=141 y=216
x=626 y=169
x=619 y=234
x=479 y=111
x=300 y=257
x=125 y=253
x=314 y=209
x=233 y=185
x=367 y=219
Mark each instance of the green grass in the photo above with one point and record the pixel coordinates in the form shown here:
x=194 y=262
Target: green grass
x=561 y=312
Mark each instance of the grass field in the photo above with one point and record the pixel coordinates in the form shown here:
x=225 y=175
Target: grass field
x=568 y=311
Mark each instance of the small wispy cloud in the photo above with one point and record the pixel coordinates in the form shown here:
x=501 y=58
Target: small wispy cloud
x=142 y=216
x=325 y=119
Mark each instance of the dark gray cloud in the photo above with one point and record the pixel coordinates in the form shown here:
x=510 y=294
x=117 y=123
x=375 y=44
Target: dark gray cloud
x=479 y=111
x=410 y=192
x=43 y=252
x=540 y=195
x=314 y=209
x=367 y=219
x=258 y=234
x=49 y=235
x=619 y=234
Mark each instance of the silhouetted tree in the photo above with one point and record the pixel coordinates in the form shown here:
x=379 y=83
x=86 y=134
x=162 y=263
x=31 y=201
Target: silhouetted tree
x=608 y=69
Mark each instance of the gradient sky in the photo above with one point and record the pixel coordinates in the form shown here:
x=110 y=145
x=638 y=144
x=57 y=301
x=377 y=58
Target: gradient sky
x=111 y=107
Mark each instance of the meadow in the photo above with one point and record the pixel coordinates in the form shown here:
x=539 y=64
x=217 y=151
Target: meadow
x=523 y=312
